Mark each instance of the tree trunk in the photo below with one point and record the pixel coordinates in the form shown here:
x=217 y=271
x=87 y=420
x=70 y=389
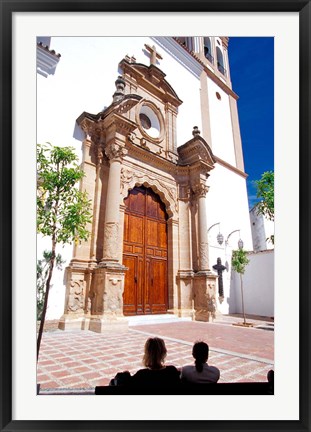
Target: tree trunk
x=242 y=297
x=47 y=290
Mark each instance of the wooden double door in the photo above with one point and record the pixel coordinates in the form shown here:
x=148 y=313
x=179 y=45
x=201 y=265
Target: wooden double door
x=145 y=253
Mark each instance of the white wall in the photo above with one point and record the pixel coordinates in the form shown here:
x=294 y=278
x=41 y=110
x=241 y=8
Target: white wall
x=222 y=143
x=258 y=286
x=227 y=203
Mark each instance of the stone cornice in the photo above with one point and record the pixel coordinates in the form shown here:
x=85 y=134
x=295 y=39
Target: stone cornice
x=231 y=167
x=47 y=60
x=196 y=150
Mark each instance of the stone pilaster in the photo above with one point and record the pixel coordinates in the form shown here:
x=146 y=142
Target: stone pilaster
x=200 y=191
x=185 y=272
x=115 y=153
x=107 y=300
x=204 y=283
x=205 y=305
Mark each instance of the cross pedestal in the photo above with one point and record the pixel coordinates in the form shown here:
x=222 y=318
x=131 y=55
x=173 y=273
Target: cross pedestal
x=205 y=305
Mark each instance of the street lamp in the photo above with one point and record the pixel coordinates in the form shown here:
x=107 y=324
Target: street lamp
x=240 y=242
x=220 y=237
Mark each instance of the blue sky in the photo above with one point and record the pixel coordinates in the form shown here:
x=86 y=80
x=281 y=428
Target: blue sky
x=252 y=75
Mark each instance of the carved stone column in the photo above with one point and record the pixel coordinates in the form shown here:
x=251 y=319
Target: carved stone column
x=205 y=304
x=200 y=190
x=185 y=272
x=108 y=287
x=115 y=153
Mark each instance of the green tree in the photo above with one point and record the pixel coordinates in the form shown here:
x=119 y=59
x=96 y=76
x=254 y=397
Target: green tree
x=265 y=192
x=42 y=274
x=63 y=211
x=239 y=261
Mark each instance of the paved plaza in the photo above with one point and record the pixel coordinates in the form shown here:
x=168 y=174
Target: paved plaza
x=78 y=361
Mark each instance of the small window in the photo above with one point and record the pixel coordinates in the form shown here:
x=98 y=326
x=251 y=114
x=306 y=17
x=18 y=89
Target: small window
x=218 y=96
x=220 y=61
x=208 y=49
x=145 y=121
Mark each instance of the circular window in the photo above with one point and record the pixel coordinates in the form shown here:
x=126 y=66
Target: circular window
x=149 y=121
x=145 y=121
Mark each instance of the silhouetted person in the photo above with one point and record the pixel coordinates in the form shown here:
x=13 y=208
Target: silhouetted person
x=155 y=372
x=200 y=372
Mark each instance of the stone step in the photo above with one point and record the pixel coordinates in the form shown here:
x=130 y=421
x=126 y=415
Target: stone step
x=154 y=319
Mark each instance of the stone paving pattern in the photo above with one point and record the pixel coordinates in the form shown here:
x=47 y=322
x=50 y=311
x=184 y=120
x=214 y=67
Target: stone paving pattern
x=84 y=359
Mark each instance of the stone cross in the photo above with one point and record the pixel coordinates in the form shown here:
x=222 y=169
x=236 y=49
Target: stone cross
x=154 y=55
x=220 y=268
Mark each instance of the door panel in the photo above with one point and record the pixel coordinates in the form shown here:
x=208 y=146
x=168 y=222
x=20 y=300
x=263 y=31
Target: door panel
x=130 y=285
x=158 y=283
x=145 y=253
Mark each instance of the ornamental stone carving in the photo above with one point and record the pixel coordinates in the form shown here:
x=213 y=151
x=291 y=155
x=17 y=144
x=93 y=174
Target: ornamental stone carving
x=200 y=189
x=115 y=152
x=113 y=296
x=168 y=195
x=76 y=296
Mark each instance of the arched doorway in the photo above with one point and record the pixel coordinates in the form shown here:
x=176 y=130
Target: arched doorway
x=145 y=253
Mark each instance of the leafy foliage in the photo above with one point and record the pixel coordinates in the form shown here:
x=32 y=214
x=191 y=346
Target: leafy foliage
x=239 y=260
x=63 y=211
x=42 y=274
x=265 y=192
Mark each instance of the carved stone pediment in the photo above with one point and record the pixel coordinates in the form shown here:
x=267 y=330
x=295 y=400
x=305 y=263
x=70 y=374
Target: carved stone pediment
x=152 y=78
x=194 y=151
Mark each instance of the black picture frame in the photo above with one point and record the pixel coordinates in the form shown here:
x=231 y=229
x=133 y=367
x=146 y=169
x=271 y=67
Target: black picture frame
x=7 y=8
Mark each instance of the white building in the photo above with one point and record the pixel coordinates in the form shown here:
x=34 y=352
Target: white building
x=76 y=76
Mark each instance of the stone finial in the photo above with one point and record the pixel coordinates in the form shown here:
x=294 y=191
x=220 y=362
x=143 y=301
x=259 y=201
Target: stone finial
x=119 y=93
x=196 y=131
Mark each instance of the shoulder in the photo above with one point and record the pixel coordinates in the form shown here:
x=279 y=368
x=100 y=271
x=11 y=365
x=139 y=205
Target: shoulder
x=187 y=368
x=172 y=370
x=141 y=372
x=214 y=369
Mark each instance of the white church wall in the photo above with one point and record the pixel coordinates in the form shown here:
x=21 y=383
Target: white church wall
x=258 y=286
x=220 y=122
x=227 y=204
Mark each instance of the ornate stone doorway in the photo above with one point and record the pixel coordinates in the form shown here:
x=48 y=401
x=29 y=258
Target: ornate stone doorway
x=145 y=253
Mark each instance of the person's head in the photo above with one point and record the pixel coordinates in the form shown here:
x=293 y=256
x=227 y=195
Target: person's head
x=200 y=353
x=155 y=353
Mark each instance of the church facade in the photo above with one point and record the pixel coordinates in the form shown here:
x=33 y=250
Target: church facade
x=163 y=166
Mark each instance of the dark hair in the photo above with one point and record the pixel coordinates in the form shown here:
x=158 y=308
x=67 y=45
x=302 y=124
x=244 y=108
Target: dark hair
x=155 y=353
x=200 y=353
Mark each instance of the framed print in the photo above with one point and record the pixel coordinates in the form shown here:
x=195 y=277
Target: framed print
x=22 y=104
